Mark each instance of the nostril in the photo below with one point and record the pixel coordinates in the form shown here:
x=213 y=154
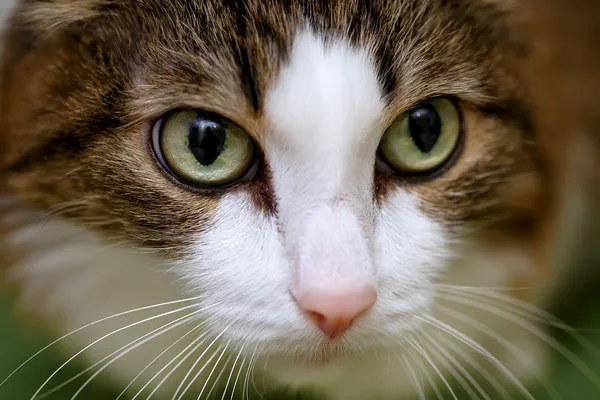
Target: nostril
x=331 y=327
x=319 y=318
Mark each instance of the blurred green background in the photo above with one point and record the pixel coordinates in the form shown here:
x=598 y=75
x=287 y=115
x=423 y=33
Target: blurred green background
x=19 y=342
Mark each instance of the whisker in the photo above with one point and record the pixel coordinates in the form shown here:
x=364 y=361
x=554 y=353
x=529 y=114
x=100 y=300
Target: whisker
x=213 y=370
x=476 y=366
x=561 y=349
x=418 y=383
x=455 y=375
x=459 y=371
x=432 y=383
x=476 y=346
x=231 y=375
x=413 y=377
x=455 y=333
x=263 y=392
x=242 y=365
x=91 y=378
x=265 y=387
x=158 y=357
x=488 y=288
x=123 y=350
x=194 y=366
x=196 y=345
x=93 y=324
x=253 y=359
x=514 y=305
x=527 y=310
x=102 y=338
x=217 y=380
x=504 y=342
x=435 y=368
x=550 y=341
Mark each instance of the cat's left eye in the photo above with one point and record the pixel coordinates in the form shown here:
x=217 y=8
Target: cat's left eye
x=202 y=149
x=422 y=139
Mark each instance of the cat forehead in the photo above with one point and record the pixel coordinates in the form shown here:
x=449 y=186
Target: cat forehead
x=229 y=54
x=237 y=48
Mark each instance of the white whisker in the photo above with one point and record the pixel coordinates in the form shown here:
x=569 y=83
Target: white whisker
x=561 y=349
x=435 y=368
x=196 y=344
x=217 y=380
x=91 y=378
x=414 y=379
x=518 y=307
x=250 y=371
x=124 y=350
x=455 y=375
x=514 y=305
x=93 y=324
x=102 y=338
x=194 y=366
x=235 y=383
x=213 y=370
x=476 y=346
x=160 y=355
x=260 y=393
x=231 y=374
x=432 y=383
x=459 y=370
x=475 y=366
x=504 y=342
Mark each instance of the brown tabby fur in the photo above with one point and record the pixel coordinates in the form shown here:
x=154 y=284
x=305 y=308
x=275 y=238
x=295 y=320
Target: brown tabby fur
x=87 y=77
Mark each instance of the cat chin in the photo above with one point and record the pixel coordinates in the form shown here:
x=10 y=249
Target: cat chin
x=321 y=363
x=311 y=374
x=307 y=373
x=359 y=376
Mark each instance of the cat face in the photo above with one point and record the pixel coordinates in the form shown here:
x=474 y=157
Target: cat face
x=312 y=171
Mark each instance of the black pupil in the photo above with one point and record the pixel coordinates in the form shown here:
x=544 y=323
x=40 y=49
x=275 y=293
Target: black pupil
x=207 y=140
x=425 y=126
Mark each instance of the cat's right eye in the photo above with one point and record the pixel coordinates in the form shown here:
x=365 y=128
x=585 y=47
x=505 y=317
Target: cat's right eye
x=422 y=139
x=203 y=149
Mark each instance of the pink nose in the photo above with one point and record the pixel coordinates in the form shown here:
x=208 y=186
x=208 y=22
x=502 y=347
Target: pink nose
x=334 y=311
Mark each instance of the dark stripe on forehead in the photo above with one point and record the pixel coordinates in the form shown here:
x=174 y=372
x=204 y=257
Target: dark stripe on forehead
x=239 y=12
x=248 y=77
x=367 y=18
x=384 y=53
x=386 y=70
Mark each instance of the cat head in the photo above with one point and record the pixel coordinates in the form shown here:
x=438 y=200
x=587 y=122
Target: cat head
x=313 y=172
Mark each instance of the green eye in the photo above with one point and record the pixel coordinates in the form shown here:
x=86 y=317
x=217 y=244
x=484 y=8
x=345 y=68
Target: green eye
x=203 y=149
x=423 y=138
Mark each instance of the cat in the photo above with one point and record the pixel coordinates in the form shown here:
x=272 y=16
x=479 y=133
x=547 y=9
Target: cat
x=357 y=204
